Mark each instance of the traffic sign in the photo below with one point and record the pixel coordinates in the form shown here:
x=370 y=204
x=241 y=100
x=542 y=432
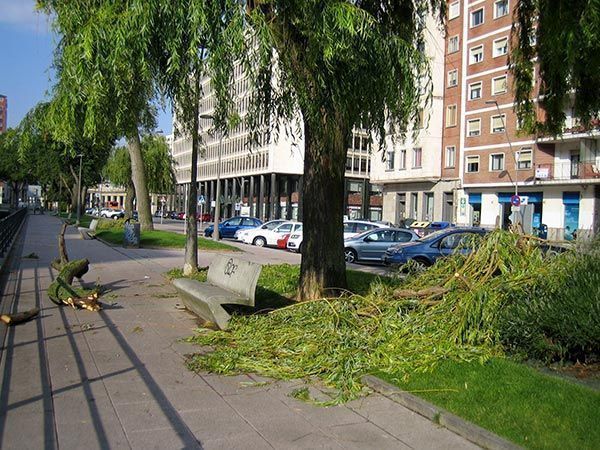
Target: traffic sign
x=515 y=200
x=201 y=199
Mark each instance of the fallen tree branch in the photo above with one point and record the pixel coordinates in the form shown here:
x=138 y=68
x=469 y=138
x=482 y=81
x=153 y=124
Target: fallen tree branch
x=14 y=319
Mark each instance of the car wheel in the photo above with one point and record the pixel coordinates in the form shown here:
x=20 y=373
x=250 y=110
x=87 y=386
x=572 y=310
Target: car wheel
x=300 y=248
x=350 y=255
x=259 y=241
x=421 y=263
x=115 y=217
x=103 y=215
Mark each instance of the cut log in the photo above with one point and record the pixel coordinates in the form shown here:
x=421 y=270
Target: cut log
x=14 y=319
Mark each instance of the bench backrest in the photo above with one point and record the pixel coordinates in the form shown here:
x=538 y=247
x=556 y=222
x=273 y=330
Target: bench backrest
x=234 y=274
x=93 y=224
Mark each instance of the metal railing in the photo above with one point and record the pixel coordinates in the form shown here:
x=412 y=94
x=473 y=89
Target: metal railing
x=9 y=227
x=568 y=170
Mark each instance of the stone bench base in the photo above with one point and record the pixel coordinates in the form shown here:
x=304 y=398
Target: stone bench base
x=206 y=300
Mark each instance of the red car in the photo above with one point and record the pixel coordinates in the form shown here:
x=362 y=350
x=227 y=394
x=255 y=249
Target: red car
x=282 y=243
x=206 y=217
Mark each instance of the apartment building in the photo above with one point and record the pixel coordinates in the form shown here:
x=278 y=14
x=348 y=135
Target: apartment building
x=263 y=179
x=3 y=113
x=557 y=178
x=409 y=168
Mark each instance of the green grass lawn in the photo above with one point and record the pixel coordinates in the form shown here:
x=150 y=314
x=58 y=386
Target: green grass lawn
x=84 y=220
x=159 y=238
x=278 y=283
x=514 y=401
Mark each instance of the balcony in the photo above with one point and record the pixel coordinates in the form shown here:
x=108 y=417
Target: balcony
x=568 y=170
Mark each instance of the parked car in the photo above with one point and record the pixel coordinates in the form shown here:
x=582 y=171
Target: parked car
x=241 y=234
x=371 y=245
x=426 y=250
x=351 y=228
x=282 y=241
x=206 y=217
x=180 y=216
x=355 y=227
x=264 y=237
x=228 y=227
x=115 y=214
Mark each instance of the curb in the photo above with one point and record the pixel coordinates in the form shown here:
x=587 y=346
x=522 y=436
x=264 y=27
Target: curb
x=470 y=431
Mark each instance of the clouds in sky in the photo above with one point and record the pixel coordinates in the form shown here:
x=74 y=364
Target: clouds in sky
x=22 y=14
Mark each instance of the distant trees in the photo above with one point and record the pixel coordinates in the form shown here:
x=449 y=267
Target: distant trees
x=158 y=166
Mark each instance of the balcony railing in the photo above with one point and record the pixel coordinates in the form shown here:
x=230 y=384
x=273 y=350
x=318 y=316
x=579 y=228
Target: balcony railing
x=568 y=170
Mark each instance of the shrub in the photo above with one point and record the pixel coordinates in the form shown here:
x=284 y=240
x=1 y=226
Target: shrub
x=110 y=224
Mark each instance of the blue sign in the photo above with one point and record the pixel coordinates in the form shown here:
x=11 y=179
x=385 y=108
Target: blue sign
x=201 y=199
x=515 y=200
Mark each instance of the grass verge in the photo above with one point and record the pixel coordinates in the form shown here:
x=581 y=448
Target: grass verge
x=84 y=220
x=167 y=239
x=278 y=283
x=512 y=400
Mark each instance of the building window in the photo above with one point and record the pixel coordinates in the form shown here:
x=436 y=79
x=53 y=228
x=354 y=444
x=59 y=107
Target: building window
x=453 y=44
x=402 y=160
x=417 y=156
x=453 y=78
x=451 y=116
x=476 y=54
x=498 y=123
x=474 y=127
x=472 y=164
x=500 y=8
x=389 y=160
x=476 y=17
x=428 y=206
x=500 y=47
x=420 y=118
x=499 y=85
x=496 y=162
x=524 y=158
x=454 y=10
x=450 y=157
x=475 y=91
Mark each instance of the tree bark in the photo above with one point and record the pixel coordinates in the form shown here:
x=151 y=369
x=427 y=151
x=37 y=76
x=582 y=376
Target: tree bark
x=190 y=263
x=323 y=269
x=138 y=176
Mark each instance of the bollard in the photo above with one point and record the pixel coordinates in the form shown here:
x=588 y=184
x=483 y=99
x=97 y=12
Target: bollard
x=131 y=234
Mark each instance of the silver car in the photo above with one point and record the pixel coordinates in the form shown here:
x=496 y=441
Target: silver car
x=371 y=245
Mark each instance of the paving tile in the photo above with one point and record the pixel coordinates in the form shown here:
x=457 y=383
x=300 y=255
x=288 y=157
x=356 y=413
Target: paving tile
x=162 y=439
x=365 y=435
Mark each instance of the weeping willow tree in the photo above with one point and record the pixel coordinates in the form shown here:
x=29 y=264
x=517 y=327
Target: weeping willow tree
x=564 y=36
x=341 y=64
x=158 y=166
x=104 y=77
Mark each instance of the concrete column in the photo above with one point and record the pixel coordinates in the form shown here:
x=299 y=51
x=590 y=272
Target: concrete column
x=251 y=196
x=234 y=194
x=288 y=197
x=300 y=198
x=366 y=199
x=274 y=200
x=261 y=196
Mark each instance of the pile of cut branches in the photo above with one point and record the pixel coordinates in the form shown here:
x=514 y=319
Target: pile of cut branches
x=452 y=310
x=61 y=291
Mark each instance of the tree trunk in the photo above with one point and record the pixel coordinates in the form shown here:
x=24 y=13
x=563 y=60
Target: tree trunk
x=74 y=197
x=323 y=269
x=190 y=263
x=138 y=176
x=129 y=196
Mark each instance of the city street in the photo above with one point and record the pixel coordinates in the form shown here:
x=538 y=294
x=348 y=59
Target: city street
x=265 y=255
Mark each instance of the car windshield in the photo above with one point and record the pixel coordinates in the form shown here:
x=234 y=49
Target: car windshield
x=433 y=236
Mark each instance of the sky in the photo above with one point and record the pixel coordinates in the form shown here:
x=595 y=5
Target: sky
x=27 y=44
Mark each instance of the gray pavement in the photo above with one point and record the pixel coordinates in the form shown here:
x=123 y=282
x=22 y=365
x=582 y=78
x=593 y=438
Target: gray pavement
x=116 y=379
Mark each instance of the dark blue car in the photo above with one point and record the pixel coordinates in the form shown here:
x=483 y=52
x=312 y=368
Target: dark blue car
x=428 y=249
x=228 y=227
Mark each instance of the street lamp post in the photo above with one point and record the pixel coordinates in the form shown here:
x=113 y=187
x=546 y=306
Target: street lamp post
x=516 y=178
x=218 y=193
x=80 y=156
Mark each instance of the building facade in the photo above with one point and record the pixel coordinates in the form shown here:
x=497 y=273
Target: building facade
x=3 y=113
x=484 y=147
x=264 y=179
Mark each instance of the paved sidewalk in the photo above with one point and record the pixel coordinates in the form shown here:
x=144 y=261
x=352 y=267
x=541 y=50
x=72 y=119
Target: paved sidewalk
x=116 y=379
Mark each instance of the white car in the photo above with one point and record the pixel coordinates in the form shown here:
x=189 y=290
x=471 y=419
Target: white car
x=262 y=237
x=112 y=213
x=243 y=232
x=351 y=228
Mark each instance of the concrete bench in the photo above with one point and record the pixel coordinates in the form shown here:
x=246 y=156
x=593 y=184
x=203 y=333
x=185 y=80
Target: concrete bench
x=88 y=233
x=230 y=281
